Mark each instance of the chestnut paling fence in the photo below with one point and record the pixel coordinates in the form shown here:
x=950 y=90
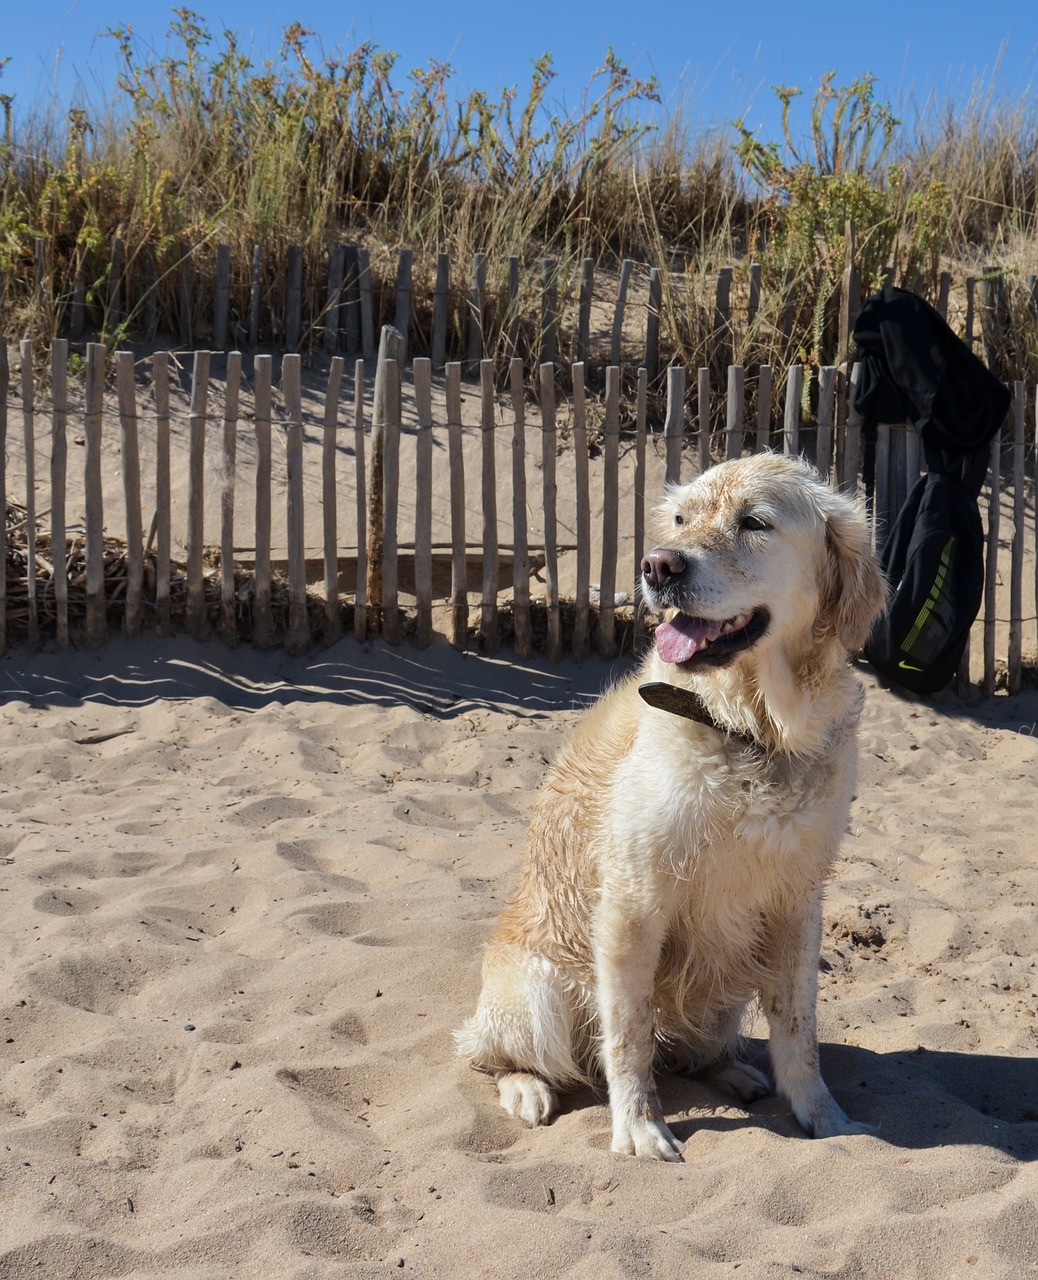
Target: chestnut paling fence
x=288 y=510
x=335 y=300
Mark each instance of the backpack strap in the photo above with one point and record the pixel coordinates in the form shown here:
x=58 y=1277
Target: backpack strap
x=969 y=468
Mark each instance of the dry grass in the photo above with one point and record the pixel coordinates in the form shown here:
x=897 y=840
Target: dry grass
x=202 y=147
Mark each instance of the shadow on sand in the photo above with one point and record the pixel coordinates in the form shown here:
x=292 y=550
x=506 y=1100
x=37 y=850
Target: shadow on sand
x=435 y=681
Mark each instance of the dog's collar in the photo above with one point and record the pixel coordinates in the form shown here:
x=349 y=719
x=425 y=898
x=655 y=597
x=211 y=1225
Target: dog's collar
x=683 y=702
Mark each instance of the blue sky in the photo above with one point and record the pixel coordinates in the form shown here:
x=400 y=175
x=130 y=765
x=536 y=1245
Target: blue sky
x=718 y=61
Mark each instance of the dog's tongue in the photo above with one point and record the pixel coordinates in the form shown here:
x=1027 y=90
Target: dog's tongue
x=683 y=637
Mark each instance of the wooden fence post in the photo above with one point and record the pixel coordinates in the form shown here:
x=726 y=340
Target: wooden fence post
x=333 y=302
x=402 y=314
x=349 y=302
x=881 y=492
x=850 y=456
x=850 y=294
x=993 y=319
x=360 y=608
x=391 y=629
x=131 y=469
x=753 y=306
x=298 y=636
x=674 y=423
x=520 y=526
x=294 y=299
x=943 y=294
x=640 y=441
x=827 y=379
x=390 y=345
x=704 y=424
x=488 y=636
x=652 y=324
x=459 y=559
x=263 y=621
x=96 y=629
x=587 y=288
x=330 y=500
x=254 y=296
x=228 y=594
x=222 y=296
x=582 y=605
x=197 y=612
x=791 y=422
x=991 y=565
x=550 y=490
x=441 y=310
x=617 y=336
x=1016 y=580
x=514 y=310
x=29 y=440
x=422 y=373
x=58 y=476
x=735 y=410
x=610 y=515
x=722 y=336
x=477 y=311
x=163 y=538
x=549 y=311
x=367 y=313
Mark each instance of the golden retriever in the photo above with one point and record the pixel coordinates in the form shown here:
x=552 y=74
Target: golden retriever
x=675 y=863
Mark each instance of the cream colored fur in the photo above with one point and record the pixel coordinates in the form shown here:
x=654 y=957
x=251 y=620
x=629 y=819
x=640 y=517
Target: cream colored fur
x=674 y=872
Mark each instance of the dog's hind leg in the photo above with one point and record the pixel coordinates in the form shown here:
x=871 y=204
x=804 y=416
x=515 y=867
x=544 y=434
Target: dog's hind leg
x=715 y=1056
x=522 y=1031
x=730 y=1073
x=738 y=1079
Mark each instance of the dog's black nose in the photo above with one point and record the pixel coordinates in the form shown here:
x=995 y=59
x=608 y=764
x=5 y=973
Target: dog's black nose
x=661 y=566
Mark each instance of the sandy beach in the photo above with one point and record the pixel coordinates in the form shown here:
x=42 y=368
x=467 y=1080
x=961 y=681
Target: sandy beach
x=244 y=900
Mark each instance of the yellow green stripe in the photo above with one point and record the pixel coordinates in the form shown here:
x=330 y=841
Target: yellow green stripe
x=935 y=594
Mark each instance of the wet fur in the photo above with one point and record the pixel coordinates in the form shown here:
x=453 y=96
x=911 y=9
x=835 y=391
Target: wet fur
x=674 y=873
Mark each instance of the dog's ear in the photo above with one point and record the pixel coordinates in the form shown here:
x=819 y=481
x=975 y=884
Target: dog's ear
x=853 y=591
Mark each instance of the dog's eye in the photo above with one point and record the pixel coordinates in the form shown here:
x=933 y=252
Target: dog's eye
x=753 y=524
x=679 y=519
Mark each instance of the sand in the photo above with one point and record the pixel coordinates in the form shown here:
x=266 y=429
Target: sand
x=244 y=899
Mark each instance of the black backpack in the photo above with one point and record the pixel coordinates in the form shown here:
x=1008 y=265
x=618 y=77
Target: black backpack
x=913 y=366
x=933 y=561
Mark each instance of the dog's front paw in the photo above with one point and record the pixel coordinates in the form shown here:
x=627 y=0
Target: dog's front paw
x=527 y=1097
x=823 y=1117
x=647 y=1138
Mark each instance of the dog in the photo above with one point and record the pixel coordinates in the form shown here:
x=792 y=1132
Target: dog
x=676 y=860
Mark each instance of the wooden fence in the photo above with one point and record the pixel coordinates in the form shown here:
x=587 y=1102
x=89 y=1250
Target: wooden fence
x=336 y=300
x=286 y=510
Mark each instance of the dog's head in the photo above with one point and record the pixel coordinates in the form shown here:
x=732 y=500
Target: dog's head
x=759 y=553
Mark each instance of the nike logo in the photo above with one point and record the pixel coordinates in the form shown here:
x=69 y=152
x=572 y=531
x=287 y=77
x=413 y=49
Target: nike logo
x=907 y=666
